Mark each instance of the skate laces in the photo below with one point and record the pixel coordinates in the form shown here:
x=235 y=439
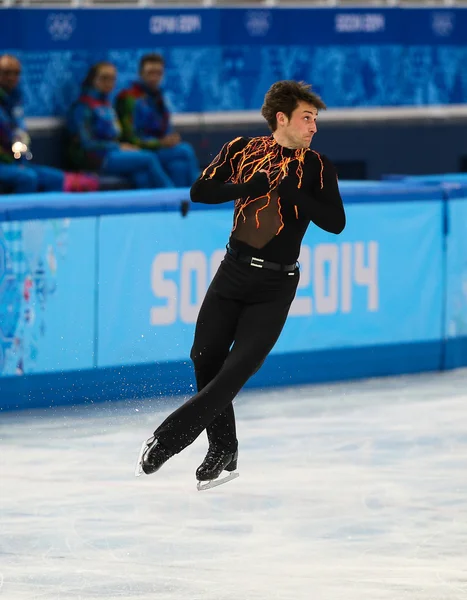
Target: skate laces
x=215 y=453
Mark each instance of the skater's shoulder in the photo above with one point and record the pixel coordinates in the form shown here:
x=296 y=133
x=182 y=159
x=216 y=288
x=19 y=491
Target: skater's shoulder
x=250 y=142
x=317 y=158
x=234 y=146
x=239 y=142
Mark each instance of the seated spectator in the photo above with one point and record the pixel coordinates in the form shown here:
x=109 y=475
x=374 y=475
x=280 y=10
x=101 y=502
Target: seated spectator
x=95 y=135
x=145 y=122
x=16 y=173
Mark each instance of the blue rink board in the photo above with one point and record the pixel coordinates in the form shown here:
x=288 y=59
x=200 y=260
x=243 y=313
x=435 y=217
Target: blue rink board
x=409 y=317
x=177 y=378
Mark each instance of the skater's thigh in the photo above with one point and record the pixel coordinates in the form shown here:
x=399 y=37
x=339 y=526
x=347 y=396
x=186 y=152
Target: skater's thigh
x=258 y=329
x=216 y=325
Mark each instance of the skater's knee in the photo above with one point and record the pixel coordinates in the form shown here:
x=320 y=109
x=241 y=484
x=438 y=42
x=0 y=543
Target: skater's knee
x=205 y=358
x=186 y=150
x=27 y=180
x=247 y=365
x=195 y=355
x=206 y=362
x=258 y=366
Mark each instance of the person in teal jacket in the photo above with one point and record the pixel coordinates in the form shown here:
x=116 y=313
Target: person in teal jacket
x=19 y=175
x=94 y=135
x=145 y=121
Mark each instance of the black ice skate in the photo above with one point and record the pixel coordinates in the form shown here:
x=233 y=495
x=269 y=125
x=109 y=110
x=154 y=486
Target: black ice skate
x=151 y=457
x=217 y=459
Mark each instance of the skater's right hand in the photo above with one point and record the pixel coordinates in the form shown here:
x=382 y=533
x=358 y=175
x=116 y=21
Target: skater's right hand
x=170 y=140
x=258 y=185
x=128 y=147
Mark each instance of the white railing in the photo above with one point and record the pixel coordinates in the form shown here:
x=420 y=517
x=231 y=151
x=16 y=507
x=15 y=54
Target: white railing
x=333 y=116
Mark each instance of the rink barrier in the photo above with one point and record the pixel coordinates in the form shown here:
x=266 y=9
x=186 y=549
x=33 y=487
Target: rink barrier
x=99 y=292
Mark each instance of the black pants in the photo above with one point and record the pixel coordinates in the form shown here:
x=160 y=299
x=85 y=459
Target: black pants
x=239 y=322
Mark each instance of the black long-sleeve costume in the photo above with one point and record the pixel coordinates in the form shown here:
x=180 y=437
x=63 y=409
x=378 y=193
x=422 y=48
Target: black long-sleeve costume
x=245 y=308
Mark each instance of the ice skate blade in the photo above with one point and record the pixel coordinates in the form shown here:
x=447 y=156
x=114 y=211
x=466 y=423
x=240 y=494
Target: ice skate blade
x=139 y=465
x=216 y=482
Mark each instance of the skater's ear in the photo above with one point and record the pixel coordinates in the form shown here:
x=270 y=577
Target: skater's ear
x=281 y=119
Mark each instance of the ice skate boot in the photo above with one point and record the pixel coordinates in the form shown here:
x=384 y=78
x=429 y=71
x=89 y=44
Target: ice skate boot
x=217 y=459
x=151 y=457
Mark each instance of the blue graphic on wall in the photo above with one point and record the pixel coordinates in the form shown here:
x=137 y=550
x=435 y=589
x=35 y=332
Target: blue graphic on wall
x=225 y=59
x=40 y=302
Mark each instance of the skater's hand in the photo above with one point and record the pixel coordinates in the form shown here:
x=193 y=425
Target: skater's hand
x=128 y=147
x=170 y=140
x=258 y=185
x=275 y=175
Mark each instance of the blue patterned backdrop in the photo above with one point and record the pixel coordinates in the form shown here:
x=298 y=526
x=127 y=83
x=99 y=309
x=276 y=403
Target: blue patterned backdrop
x=225 y=59
x=45 y=325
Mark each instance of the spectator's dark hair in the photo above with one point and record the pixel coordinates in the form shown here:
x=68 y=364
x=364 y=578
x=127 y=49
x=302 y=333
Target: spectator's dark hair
x=93 y=71
x=155 y=57
x=284 y=96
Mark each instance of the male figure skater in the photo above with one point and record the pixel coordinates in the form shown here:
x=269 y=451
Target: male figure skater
x=279 y=185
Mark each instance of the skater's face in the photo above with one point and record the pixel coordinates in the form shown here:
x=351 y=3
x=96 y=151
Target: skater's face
x=105 y=79
x=10 y=72
x=298 y=131
x=152 y=74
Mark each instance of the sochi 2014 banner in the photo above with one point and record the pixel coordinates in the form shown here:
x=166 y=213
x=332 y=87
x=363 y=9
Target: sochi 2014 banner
x=378 y=283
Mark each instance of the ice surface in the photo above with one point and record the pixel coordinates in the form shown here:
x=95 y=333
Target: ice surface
x=355 y=491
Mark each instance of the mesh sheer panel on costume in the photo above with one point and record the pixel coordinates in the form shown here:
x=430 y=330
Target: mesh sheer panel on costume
x=259 y=221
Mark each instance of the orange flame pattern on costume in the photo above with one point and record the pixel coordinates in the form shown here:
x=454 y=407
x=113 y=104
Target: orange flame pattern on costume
x=261 y=154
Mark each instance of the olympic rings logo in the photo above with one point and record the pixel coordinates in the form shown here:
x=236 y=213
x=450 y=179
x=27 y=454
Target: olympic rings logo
x=258 y=22
x=443 y=23
x=61 y=26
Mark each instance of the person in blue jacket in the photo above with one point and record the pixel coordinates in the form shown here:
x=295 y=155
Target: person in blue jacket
x=94 y=133
x=145 y=120
x=17 y=174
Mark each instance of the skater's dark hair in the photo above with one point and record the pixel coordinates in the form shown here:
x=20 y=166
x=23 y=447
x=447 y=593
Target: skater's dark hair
x=154 y=57
x=94 y=72
x=284 y=96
